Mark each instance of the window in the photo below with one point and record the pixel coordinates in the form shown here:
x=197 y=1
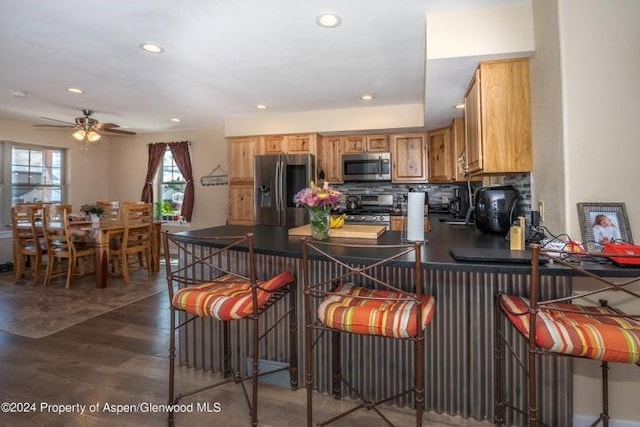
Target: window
x=33 y=174
x=172 y=186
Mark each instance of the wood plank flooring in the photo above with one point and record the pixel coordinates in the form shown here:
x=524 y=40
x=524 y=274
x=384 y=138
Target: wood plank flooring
x=118 y=362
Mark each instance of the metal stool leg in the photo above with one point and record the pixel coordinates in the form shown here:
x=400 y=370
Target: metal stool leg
x=336 y=364
x=293 y=337
x=172 y=362
x=419 y=380
x=498 y=361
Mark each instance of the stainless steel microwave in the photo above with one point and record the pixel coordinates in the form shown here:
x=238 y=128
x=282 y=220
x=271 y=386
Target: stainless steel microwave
x=366 y=167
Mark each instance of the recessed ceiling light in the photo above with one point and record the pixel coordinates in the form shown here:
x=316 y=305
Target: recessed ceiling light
x=151 y=48
x=261 y=107
x=74 y=90
x=19 y=93
x=175 y=119
x=328 y=19
x=459 y=106
x=367 y=97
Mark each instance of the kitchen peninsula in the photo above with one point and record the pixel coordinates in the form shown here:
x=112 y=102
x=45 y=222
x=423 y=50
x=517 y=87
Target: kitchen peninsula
x=459 y=342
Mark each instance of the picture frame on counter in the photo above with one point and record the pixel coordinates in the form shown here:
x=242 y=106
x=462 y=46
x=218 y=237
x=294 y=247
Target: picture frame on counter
x=602 y=223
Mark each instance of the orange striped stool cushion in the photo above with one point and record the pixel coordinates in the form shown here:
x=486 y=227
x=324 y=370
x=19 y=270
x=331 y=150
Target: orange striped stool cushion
x=373 y=317
x=606 y=338
x=227 y=297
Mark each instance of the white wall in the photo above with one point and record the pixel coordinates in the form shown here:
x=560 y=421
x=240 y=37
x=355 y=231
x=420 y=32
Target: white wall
x=208 y=149
x=585 y=137
x=352 y=119
x=88 y=172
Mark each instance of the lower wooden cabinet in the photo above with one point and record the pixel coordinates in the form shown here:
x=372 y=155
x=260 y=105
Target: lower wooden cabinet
x=398 y=223
x=241 y=204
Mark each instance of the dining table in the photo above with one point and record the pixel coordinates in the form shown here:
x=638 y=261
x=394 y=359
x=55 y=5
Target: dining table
x=102 y=233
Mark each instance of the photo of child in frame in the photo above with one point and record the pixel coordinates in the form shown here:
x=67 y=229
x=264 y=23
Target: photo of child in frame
x=605 y=227
x=603 y=223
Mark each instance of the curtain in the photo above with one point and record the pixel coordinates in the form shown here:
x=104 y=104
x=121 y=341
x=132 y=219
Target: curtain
x=180 y=152
x=156 y=151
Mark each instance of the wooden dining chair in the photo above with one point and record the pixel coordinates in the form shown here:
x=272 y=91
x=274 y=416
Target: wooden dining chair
x=222 y=285
x=66 y=255
x=358 y=299
x=588 y=324
x=29 y=246
x=111 y=209
x=137 y=219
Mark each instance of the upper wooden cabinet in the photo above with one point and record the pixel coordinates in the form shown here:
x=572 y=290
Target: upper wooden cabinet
x=354 y=144
x=288 y=144
x=365 y=143
x=498 y=118
x=409 y=157
x=378 y=143
x=440 y=152
x=330 y=158
x=241 y=152
x=457 y=139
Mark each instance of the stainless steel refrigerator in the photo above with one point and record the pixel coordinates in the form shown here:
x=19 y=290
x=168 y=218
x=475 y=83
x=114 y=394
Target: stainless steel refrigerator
x=278 y=178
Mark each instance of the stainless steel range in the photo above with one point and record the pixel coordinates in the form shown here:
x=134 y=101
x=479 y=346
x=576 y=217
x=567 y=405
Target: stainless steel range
x=371 y=209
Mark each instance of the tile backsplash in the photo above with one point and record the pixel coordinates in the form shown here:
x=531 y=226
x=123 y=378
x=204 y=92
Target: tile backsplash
x=438 y=195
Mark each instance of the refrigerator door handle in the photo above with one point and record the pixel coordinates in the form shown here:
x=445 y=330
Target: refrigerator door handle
x=278 y=185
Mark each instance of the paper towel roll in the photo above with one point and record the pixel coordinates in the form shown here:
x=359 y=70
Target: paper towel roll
x=415 y=217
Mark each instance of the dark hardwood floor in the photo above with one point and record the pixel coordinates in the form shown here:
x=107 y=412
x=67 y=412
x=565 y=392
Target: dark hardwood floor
x=118 y=362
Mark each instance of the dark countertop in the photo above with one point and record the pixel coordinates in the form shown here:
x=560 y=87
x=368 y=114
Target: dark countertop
x=435 y=253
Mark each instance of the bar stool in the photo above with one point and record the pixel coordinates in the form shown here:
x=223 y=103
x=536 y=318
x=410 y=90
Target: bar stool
x=222 y=285
x=574 y=326
x=357 y=298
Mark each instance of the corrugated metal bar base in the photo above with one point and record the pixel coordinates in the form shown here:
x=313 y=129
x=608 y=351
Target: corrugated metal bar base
x=459 y=345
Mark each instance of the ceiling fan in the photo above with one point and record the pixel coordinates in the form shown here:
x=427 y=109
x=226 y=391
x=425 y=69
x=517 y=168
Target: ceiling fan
x=87 y=128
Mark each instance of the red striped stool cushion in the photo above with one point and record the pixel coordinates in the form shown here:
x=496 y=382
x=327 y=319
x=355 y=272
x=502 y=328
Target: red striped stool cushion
x=373 y=317
x=606 y=338
x=227 y=297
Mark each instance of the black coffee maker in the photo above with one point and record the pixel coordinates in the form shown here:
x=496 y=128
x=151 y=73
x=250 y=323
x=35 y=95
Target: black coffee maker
x=460 y=203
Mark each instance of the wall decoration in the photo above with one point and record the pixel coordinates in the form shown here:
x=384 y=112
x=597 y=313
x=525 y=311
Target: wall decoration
x=218 y=176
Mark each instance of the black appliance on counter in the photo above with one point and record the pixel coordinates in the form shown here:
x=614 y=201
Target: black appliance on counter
x=496 y=208
x=278 y=178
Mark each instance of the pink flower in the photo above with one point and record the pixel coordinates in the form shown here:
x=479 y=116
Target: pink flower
x=316 y=197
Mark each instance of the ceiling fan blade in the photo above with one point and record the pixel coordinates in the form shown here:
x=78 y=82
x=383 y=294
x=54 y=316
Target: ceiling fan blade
x=54 y=126
x=120 y=131
x=56 y=120
x=106 y=125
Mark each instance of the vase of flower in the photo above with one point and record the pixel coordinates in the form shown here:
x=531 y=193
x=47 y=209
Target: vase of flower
x=319 y=201
x=319 y=220
x=95 y=218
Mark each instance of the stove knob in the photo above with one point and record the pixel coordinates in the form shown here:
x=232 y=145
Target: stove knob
x=363 y=218
x=350 y=218
x=375 y=218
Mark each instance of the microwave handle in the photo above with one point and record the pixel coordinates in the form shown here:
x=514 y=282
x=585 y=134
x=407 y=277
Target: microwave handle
x=379 y=165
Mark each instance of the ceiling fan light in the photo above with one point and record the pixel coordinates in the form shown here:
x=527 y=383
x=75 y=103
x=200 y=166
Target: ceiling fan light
x=93 y=136
x=79 y=134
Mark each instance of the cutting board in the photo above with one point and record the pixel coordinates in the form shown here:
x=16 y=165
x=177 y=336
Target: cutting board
x=353 y=231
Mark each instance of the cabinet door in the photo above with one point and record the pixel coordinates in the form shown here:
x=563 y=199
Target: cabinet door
x=456 y=136
x=409 y=157
x=355 y=144
x=241 y=152
x=241 y=204
x=378 y=143
x=330 y=158
x=301 y=144
x=273 y=144
x=440 y=158
x=473 y=129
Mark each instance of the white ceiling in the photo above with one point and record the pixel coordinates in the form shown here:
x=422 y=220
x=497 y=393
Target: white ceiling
x=222 y=57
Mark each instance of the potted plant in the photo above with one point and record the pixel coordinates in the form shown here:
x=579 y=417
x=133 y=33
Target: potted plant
x=94 y=211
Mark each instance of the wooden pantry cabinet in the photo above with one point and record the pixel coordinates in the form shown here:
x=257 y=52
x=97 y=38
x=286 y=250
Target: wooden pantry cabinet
x=498 y=118
x=241 y=152
x=409 y=158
